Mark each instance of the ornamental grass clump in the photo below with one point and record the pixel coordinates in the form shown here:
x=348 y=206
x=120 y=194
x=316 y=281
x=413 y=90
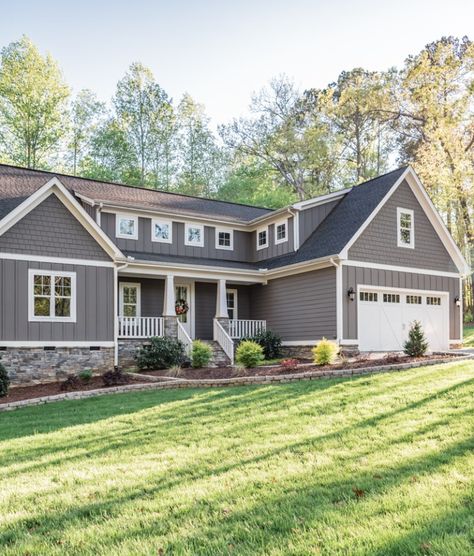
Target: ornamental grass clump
x=201 y=354
x=4 y=381
x=325 y=352
x=249 y=354
x=417 y=344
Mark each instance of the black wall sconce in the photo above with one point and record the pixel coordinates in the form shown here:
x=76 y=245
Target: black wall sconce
x=457 y=300
x=351 y=293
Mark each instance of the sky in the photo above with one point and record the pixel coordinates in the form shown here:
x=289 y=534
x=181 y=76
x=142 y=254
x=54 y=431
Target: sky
x=222 y=51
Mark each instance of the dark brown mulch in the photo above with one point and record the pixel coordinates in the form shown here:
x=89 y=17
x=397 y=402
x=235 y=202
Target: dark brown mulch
x=18 y=393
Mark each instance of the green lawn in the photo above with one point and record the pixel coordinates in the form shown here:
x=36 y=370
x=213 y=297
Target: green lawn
x=469 y=335
x=378 y=465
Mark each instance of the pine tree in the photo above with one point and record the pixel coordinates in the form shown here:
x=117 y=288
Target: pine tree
x=417 y=344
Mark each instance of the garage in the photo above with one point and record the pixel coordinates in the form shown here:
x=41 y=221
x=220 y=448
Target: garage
x=385 y=315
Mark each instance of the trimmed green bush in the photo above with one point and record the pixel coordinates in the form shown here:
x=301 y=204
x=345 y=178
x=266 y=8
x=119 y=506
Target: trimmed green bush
x=270 y=342
x=4 y=381
x=201 y=354
x=417 y=344
x=325 y=352
x=85 y=375
x=161 y=353
x=249 y=353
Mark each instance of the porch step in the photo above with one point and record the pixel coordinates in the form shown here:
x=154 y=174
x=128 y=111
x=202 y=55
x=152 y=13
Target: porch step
x=219 y=357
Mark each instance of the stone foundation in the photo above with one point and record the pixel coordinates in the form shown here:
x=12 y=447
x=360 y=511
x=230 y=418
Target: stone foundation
x=303 y=352
x=26 y=366
x=127 y=350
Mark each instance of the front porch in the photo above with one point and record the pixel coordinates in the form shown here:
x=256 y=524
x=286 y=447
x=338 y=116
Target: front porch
x=186 y=308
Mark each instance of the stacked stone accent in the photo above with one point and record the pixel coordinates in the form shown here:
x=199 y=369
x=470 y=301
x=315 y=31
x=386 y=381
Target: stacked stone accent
x=304 y=352
x=26 y=366
x=219 y=357
x=127 y=350
x=171 y=326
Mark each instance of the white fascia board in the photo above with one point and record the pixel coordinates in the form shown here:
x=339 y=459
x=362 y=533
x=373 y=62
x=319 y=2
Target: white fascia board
x=393 y=268
x=315 y=201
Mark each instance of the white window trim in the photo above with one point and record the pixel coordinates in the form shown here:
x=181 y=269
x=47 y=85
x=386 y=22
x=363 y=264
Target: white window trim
x=139 y=297
x=186 y=229
x=400 y=243
x=236 y=300
x=118 y=217
x=31 y=304
x=227 y=231
x=281 y=223
x=161 y=221
x=261 y=229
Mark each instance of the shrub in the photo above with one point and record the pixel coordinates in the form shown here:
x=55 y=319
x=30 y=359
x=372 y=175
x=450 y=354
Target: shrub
x=85 y=375
x=161 y=353
x=115 y=377
x=416 y=345
x=270 y=342
x=4 y=381
x=290 y=364
x=249 y=353
x=71 y=382
x=325 y=352
x=201 y=354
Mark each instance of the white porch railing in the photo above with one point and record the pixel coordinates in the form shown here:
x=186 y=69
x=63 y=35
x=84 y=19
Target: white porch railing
x=244 y=328
x=184 y=337
x=140 y=327
x=224 y=340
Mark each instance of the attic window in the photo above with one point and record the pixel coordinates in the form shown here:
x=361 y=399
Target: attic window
x=281 y=232
x=126 y=226
x=406 y=232
x=262 y=238
x=224 y=239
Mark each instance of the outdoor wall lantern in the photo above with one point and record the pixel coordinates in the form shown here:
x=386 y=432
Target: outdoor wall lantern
x=457 y=301
x=351 y=293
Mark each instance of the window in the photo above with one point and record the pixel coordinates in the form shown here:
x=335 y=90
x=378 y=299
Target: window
x=162 y=231
x=232 y=303
x=406 y=233
x=129 y=299
x=433 y=300
x=126 y=226
x=391 y=298
x=262 y=238
x=224 y=239
x=52 y=296
x=368 y=296
x=281 y=232
x=194 y=235
x=414 y=299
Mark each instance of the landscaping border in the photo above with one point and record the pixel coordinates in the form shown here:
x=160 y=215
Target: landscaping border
x=234 y=381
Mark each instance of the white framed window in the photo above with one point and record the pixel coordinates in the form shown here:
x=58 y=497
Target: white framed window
x=51 y=296
x=281 y=231
x=406 y=228
x=368 y=296
x=224 y=239
x=391 y=298
x=232 y=303
x=126 y=226
x=162 y=231
x=194 y=235
x=262 y=237
x=413 y=299
x=433 y=300
x=130 y=299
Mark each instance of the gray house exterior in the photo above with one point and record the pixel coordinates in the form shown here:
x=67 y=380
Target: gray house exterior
x=89 y=270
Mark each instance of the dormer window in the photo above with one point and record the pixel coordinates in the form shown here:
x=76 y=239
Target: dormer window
x=406 y=232
x=126 y=226
x=224 y=239
x=162 y=231
x=194 y=235
x=262 y=238
x=281 y=232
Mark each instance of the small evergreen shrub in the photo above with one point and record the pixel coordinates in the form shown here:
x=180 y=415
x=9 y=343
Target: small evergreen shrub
x=249 y=353
x=201 y=354
x=325 y=352
x=161 y=353
x=115 y=378
x=85 y=375
x=4 y=381
x=417 y=344
x=270 y=342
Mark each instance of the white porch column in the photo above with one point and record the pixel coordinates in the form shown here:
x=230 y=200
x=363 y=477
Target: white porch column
x=169 y=309
x=221 y=304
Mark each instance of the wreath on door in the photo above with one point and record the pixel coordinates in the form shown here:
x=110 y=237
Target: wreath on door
x=181 y=307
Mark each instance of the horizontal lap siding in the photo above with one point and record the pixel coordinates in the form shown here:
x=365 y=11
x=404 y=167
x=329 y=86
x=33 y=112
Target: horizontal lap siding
x=354 y=276
x=298 y=307
x=94 y=304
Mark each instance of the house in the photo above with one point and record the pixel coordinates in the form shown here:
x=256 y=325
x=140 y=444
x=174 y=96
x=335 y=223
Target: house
x=90 y=269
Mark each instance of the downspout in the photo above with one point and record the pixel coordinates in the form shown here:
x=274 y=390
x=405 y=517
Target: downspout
x=116 y=271
x=296 y=228
x=98 y=211
x=339 y=308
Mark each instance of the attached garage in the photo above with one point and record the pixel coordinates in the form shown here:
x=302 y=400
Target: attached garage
x=385 y=316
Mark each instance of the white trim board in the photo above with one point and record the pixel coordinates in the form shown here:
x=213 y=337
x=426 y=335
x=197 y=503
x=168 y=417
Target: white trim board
x=393 y=268
x=62 y=343
x=55 y=260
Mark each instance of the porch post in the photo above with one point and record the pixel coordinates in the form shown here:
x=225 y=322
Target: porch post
x=221 y=305
x=169 y=308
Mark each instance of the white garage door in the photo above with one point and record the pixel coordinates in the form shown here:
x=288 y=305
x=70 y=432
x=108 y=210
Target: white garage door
x=385 y=316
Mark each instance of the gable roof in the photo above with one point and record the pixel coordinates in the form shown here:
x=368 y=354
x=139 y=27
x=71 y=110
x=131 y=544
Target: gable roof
x=18 y=183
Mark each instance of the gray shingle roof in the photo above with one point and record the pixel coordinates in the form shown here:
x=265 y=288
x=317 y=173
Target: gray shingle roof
x=18 y=183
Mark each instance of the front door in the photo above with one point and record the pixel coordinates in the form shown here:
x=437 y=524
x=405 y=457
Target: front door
x=184 y=306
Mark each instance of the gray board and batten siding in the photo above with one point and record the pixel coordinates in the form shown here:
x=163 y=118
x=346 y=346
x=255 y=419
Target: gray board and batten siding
x=273 y=250
x=311 y=218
